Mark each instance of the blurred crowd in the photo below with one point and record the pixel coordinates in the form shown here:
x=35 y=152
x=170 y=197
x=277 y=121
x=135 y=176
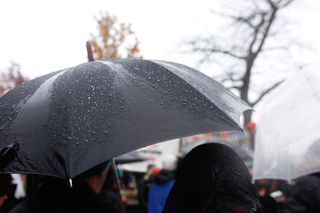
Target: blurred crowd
x=210 y=178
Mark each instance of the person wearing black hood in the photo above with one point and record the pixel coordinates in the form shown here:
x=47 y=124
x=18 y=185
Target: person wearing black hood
x=162 y=183
x=305 y=196
x=212 y=178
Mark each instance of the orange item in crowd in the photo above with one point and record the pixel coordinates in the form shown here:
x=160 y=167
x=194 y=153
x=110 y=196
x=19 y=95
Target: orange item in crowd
x=156 y=170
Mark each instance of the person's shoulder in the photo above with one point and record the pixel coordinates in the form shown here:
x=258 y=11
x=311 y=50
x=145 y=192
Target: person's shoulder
x=309 y=179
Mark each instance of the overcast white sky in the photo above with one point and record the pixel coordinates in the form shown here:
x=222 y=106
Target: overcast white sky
x=45 y=36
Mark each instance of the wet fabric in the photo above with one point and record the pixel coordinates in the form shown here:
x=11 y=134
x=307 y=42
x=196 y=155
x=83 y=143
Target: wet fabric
x=212 y=178
x=69 y=121
x=55 y=195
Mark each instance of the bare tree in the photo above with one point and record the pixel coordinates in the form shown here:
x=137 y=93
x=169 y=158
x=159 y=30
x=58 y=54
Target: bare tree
x=251 y=24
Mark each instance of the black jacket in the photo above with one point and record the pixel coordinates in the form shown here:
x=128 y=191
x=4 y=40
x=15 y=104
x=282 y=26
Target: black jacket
x=305 y=196
x=143 y=192
x=164 y=176
x=55 y=195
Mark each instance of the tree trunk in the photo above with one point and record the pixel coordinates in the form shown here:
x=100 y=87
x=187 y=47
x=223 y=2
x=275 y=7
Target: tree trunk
x=245 y=87
x=247 y=117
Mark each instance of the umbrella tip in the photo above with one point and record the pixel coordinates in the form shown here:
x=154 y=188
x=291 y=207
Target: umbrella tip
x=89 y=50
x=70 y=182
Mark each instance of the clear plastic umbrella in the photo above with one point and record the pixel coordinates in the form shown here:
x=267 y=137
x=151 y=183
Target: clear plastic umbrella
x=287 y=138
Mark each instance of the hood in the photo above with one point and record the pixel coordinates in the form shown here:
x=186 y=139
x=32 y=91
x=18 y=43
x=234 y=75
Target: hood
x=212 y=178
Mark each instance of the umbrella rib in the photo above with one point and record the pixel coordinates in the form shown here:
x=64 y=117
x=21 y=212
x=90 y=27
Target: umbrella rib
x=128 y=86
x=181 y=77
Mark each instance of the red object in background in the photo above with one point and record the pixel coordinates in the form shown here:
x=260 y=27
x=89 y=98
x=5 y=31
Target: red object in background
x=262 y=192
x=252 y=125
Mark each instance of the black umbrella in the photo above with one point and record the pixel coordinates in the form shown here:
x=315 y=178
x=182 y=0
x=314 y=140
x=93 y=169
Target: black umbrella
x=246 y=154
x=68 y=121
x=131 y=157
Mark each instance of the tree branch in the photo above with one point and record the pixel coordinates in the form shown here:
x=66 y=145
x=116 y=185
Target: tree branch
x=234 y=87
x=266 y=92
x=213 y=50
x=256 y=32
x=230 y=77
x=265 y=34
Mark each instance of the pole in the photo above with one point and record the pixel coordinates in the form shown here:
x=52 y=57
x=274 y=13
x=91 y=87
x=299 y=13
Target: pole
x=118 y=185
x=89 y=50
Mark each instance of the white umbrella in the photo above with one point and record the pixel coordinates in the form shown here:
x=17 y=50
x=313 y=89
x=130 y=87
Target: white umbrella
x=289 y=127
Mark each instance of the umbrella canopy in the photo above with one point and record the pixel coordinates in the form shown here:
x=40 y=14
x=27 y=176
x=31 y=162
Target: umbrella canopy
x=245 y=154
x=131 y=157
x=288 y=130
x=68 y=121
